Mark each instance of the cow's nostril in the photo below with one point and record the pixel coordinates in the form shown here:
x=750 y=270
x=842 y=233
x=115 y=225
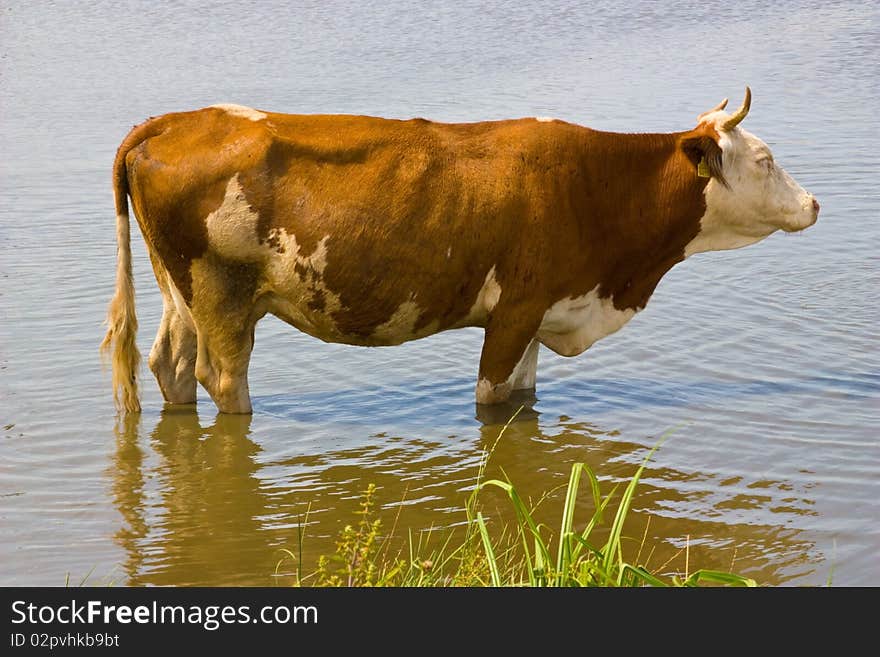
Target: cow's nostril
x=816 y=205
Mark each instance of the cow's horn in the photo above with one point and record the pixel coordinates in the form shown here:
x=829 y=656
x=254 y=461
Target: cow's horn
x=720 y=106
x=740 y=114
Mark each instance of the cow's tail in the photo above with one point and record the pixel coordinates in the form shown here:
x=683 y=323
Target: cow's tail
x=120 y=342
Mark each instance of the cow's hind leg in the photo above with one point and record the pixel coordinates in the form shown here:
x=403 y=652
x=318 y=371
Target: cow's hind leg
x=225 y=316
x=221 y=367
x=508 y=362
x=173 y=356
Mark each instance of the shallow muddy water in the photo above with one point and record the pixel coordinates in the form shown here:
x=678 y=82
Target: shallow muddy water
x=764 y=362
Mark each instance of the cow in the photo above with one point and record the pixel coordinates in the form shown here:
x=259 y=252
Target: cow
x=370 y=231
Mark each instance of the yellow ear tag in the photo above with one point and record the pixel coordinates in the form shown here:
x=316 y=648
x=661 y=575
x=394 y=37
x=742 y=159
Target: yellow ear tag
x=703 y=168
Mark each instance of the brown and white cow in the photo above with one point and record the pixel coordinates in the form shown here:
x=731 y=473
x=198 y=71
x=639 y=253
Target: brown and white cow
x=370 y=231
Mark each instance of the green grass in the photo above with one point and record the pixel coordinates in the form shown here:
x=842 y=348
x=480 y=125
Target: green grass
x=522 y=553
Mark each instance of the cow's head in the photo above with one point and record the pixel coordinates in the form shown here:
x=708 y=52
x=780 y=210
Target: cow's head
x=748 y=196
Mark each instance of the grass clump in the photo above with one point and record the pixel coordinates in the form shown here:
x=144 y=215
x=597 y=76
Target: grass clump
x=356 y=561
x=578 y=559
x=523 y=553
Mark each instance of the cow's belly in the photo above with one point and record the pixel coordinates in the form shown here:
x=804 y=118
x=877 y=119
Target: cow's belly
x=306 y=302
x=570 y=326
x=399 y=328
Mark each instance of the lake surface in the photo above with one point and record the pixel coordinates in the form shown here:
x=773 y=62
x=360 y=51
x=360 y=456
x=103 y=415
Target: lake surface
x=764 y=361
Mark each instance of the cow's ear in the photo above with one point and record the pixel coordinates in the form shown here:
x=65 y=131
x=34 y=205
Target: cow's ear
x=705 y=154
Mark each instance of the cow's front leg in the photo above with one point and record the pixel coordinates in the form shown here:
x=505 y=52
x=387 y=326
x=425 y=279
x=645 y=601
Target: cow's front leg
x=509 y=361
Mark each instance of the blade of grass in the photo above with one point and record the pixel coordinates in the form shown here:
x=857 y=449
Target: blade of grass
x=300 y=536
x=718 y=577
x=490 y=553
x=281 y=560
x=526 y=521
x=88 y=574
x=565 y=531
x=637 y=572
x=597 y=516
x=612 y=549
x=526 y=526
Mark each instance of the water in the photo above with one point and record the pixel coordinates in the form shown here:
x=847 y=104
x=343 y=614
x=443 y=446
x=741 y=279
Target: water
x=765 y=360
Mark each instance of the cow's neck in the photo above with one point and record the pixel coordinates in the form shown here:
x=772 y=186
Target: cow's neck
x=645 y=202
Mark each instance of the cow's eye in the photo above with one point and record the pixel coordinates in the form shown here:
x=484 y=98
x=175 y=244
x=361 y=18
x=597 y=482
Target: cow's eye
x=766 y=162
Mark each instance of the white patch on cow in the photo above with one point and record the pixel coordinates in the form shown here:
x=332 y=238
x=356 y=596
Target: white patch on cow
x=232 y=233
x=180 y=304
x=449 y=253
x=293 y=290
x=713 y=235
x=487 y=299
x=241 y=111
x=570 y=326
x=316 y=260
x=400 y=327
x=485 y=392
x=526 y=371
x=293 y=280
x=232 y=228
x=544 y=119
x=522 y=377
x=489 y=393
x=761 y=198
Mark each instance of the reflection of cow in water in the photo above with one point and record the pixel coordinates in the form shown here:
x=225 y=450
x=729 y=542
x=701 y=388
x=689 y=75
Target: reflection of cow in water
x=203 y=505
x=369 y=231
x=194 y=516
